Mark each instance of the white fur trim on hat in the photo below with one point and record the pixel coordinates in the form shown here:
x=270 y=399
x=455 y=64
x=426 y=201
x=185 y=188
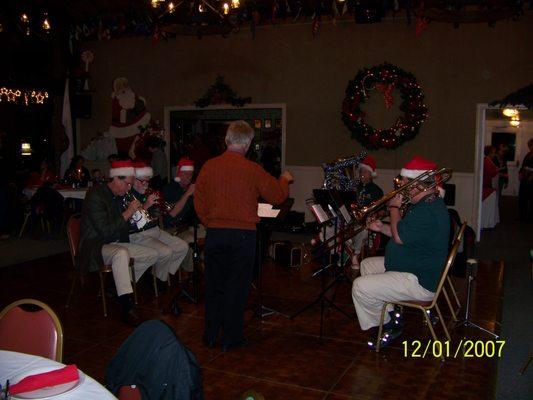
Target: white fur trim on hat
x=186 y=168
x=144 y=172
x=122 y=171
x=412 y=173
x=368 y=168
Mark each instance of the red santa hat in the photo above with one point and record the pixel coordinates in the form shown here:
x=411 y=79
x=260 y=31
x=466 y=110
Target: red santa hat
x=416 y=167
x=142 y=170
x=184 y=164
x=369 y=164
x=121 y=168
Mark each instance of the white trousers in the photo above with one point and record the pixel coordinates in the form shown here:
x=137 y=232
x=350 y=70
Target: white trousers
x=171 y=250
x=118 y=256
x=375 y=286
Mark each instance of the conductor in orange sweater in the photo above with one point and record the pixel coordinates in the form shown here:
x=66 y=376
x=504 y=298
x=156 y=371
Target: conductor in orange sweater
x=226 y=198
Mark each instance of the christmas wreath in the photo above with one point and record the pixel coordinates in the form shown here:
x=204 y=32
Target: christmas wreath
x=385 y=78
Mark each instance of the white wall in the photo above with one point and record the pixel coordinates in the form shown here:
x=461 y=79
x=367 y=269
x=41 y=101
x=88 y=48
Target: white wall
x=308 y=178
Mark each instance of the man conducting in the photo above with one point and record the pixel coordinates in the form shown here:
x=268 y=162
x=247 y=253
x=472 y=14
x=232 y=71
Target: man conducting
x=414 y=257
x=104 y=235
x=171 y=250
x=226 y=200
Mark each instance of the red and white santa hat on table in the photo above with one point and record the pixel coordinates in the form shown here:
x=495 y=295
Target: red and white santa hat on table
x=142 y=170
x=369 y=164
x=418 y=166
x=121 y=168
x=184 y=164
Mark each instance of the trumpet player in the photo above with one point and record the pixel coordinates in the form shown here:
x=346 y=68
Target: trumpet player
x=414 y=257
x=104 y=235
x=171 y=250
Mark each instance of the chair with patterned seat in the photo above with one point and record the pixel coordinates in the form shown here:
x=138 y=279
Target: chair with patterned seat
x=32 y=327
x=427 y=306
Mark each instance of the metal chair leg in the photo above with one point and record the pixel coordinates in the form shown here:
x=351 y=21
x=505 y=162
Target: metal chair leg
x=430 y=326
x=26 y=217
x=102 y=291
x=442 y=322
x=380 y=330
x=453 y=291
x=454 y=317
x=133 y=281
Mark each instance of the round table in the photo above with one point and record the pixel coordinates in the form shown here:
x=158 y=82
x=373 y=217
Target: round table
x=13 y=364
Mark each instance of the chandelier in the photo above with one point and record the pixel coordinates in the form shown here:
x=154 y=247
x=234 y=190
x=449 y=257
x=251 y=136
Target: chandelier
x=198 y=17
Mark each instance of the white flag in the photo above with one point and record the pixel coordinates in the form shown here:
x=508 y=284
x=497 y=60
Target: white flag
x=66 y=120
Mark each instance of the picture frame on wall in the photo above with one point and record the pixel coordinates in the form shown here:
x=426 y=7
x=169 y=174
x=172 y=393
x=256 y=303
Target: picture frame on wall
x=278 y=123
x=257 y=123
x=268 y=124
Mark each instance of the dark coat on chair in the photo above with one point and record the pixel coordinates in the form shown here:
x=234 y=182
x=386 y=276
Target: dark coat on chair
x=101 y=223
x=160 y=366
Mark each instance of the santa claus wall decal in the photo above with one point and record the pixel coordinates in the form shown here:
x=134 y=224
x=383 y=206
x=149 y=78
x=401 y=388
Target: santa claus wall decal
x=128 y=110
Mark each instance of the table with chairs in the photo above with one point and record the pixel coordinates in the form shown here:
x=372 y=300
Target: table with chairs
x=16 y=366
x=31 y=351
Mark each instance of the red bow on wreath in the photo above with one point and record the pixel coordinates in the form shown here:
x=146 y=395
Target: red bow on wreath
x=386 y=90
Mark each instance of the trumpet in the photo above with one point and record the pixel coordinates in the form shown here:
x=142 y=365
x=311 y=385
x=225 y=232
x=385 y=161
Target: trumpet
x=141 y=216
x=435 y=178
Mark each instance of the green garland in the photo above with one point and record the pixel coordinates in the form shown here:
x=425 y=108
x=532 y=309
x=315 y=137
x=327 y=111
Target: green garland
x=406 y=126
x=221 y=93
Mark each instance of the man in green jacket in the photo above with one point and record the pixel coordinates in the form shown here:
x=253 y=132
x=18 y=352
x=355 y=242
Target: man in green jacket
x=414 y=256
x=104 y=236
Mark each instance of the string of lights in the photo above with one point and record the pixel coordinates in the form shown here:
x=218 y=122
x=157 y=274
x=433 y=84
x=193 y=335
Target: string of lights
x=23 y=96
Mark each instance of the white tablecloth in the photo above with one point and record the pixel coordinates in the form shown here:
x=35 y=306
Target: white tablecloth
x=490 y=212
x=66 y=193
x=13 y=364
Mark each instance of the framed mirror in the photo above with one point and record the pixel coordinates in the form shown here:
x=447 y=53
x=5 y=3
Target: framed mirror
x=199 y=133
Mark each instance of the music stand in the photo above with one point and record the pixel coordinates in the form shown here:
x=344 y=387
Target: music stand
x=262 y=233
x=471 y=276
x=324 y=196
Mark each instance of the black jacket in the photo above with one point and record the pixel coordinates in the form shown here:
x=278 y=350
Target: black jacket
x=101 y=223
x=154 y=360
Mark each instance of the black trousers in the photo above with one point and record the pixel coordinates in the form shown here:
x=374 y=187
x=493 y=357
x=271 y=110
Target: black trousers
x=229 y=261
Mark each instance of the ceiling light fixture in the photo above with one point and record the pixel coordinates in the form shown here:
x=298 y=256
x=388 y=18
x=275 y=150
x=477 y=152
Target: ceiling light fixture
x=510 y=112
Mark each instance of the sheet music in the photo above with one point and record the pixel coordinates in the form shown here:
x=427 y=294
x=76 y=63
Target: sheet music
x=265 y=210
x=319 y=213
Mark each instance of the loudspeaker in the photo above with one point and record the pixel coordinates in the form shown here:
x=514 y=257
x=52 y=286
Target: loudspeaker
x=82 y=106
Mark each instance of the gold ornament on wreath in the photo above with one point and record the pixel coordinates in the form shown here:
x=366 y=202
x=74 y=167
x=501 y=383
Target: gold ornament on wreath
x=385 y=78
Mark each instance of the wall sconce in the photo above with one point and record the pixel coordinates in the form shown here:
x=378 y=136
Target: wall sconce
x=25 y=149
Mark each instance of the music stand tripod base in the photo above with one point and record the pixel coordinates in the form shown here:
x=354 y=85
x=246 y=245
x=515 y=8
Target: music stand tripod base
x=466 y=321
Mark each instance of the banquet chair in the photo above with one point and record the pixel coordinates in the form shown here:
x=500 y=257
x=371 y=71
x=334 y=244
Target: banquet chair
x=427 y=306
x=73 y=235
x=32 y=327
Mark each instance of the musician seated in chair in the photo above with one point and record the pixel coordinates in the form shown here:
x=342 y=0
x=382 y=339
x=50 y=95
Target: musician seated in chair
x=414 y=257
x=144 y=228
x=367 y=193
x=104 y=235
x=180 y=194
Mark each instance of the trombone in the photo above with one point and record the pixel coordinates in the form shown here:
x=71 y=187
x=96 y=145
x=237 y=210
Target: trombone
x=433 y=179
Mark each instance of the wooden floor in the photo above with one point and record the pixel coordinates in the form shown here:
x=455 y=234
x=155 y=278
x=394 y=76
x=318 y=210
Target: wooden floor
x=285 y=359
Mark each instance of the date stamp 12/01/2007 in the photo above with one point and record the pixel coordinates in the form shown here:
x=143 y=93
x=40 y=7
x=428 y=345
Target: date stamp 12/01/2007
x=465 y=348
